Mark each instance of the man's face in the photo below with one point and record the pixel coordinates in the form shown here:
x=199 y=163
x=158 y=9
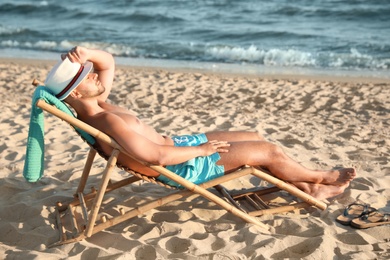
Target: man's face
x=91 y=86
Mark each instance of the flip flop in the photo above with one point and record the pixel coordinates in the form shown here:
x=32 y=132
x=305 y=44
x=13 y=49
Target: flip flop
x=354 y=211
x=371 y=219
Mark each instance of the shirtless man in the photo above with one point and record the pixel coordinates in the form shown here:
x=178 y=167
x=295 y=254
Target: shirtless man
x=197 y=158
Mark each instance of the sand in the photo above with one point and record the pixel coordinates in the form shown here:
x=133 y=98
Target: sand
x=321 y=122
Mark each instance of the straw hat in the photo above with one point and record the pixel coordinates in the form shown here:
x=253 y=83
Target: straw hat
x=66 y=76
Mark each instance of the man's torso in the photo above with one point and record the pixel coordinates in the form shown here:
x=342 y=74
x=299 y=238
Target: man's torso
x=136 y=125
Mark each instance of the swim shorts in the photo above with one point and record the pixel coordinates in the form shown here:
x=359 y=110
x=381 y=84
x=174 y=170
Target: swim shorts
x=197 y=170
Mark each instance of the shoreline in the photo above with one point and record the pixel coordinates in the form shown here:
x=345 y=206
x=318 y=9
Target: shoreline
x=234 y=70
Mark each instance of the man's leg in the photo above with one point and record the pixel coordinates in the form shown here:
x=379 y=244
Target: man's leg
x=234 y=136
x=321 y=191
x=270 y=156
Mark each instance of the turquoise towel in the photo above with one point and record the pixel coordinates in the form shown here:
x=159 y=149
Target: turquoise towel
x=34 y=161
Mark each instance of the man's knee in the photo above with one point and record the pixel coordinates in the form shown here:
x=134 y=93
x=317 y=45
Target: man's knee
x=275 y=151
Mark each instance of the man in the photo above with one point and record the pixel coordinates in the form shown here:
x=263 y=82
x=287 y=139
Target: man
x=198 y=158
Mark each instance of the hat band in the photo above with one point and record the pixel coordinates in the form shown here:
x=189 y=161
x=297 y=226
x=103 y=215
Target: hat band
x=75 y=78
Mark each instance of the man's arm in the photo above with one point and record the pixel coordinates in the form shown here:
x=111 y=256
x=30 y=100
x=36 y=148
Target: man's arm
x=145 y=150
x=103 y=64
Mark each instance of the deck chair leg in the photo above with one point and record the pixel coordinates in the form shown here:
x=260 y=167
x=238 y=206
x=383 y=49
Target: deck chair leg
x=106 y=223
x=86 y=171
x=111 y=164
x=140 y=210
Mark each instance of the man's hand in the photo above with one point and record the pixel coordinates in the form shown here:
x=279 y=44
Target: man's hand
x=214 y=146
x=77 y=54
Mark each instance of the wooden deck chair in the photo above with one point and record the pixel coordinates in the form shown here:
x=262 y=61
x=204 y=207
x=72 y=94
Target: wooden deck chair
x=82 y=217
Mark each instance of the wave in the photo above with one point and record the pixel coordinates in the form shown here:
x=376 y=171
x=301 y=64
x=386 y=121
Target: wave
x=63 y=46
x=290 y=57
x=225 y=54
x=25 y=8
x=19 y=33
x=113 y=13
x=365 y=10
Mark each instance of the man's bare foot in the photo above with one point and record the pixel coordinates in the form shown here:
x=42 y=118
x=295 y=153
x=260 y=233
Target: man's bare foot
x=339 y=177
x=321 y=191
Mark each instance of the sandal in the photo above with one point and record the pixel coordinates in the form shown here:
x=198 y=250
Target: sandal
x=354 y=211
x=371 y=219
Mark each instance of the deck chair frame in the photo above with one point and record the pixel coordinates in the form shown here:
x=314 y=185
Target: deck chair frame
x=90 y=225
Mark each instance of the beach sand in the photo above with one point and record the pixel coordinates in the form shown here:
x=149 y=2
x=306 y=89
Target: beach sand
x=321 y=122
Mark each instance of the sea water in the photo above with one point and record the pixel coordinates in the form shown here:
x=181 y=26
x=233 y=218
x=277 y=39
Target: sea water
x=282 y=35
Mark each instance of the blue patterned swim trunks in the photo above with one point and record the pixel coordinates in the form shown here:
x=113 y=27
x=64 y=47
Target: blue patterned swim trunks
x=197 y=170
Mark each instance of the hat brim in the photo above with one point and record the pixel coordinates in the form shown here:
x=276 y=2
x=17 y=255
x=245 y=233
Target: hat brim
x=88 y=66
